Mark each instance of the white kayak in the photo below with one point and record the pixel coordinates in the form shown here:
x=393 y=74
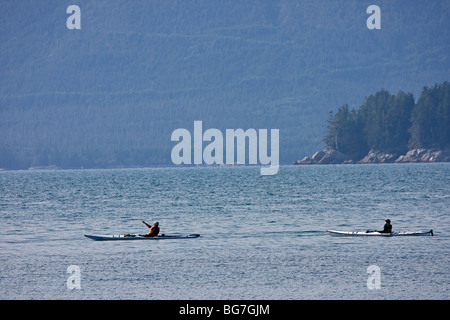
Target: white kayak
x=139 y=237
x=379 y=234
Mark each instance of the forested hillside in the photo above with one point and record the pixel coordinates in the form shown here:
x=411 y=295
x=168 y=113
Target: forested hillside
x=392 y=124
x=111 y=93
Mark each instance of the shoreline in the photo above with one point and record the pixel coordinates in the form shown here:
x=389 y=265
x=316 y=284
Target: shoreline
x=420 y=155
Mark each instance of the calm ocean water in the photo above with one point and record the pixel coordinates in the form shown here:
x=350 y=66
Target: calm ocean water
x=262 y=237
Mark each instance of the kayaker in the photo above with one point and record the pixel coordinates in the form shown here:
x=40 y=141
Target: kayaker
x=154 y=230
x=387 y=227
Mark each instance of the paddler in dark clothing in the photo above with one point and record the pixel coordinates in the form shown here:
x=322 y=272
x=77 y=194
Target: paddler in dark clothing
x=386 y=229
x=154 y=230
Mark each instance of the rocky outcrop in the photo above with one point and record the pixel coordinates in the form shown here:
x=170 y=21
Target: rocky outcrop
x=326 y=157
x=425 y=155
x=374 y=156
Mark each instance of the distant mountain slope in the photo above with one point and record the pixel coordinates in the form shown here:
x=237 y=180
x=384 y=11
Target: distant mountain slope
x=111 y=93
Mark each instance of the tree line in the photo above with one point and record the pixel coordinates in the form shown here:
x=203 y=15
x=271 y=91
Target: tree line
x=392 y=123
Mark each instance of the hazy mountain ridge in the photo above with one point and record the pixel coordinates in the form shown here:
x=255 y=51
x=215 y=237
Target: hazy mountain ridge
x=111 y=93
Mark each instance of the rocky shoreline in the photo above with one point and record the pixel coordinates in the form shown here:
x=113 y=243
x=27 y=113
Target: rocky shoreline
x=374 y=156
